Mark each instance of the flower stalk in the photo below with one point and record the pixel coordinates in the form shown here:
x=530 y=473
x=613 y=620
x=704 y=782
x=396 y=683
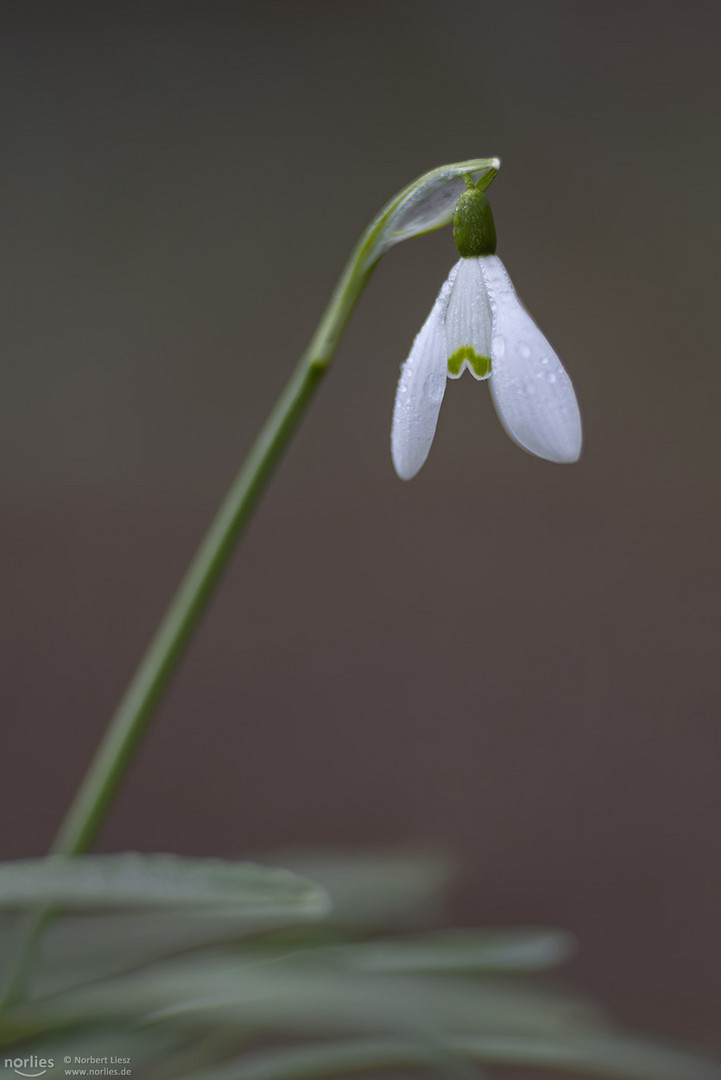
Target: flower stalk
x=424 y=205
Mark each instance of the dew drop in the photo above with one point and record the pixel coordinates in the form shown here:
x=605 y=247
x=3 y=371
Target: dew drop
x=435 y=386
x=526 y=352
x=498 y=346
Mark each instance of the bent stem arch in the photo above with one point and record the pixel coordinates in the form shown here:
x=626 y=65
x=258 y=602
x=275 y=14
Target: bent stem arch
x=422 y=206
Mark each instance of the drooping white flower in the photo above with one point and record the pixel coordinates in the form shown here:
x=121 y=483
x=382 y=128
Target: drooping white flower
x=478 y=323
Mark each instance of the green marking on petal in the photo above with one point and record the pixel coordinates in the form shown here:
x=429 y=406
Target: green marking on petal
x=481 y=364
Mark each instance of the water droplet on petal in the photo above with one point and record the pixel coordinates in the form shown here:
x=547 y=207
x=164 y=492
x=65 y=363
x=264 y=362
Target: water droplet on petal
x=525 y=352
x=435 y=386
x=498 y=346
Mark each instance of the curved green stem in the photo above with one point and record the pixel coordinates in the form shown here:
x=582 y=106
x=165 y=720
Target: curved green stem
x=92 y=801
x=412 y=211
x=424 y=205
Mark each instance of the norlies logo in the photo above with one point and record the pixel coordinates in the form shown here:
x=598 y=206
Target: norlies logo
x=30 y=1066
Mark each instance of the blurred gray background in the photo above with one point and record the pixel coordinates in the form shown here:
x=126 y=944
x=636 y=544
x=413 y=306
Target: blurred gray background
x=513 y=660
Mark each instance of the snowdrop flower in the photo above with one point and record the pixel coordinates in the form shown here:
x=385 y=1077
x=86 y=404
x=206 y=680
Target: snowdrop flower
x=479 y=324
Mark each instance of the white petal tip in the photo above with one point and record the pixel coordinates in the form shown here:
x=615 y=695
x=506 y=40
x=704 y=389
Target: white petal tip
x=562 y=445
x=405 y=474
x=561 y=457
x=555 y=438
x=533 y=395
x=420 y=391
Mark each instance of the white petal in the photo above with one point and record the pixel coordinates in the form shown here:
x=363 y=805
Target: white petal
x=420 y=390
x=468 y=319
x=532 y=393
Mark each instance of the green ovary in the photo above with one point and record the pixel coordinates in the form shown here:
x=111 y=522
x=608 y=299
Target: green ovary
x=481 y=364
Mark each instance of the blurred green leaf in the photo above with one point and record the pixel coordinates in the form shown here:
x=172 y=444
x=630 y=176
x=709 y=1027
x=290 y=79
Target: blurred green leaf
x=377 y=889
x=77 y=949
x=82 y=882
x=265 y=968
x=309 y=992
x=80 y=947
x=592 y=1055
x=523 y=950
